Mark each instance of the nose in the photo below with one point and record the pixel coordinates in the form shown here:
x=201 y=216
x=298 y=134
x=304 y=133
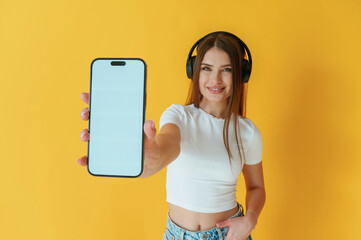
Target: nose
x=216 y=77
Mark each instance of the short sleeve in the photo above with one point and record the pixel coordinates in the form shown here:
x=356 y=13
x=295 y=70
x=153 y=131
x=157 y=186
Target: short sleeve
x=254 y=153
x=172 y=114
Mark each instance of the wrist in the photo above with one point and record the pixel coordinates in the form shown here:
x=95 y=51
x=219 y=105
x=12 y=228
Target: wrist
x=252 y=212
x=252 y=216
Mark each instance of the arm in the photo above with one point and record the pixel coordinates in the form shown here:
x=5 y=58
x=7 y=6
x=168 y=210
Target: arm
x=255 y=191
x=167 y=143
x=241 y=227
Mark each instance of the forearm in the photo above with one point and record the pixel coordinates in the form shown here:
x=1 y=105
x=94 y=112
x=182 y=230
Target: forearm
x=169 y=150
x=255 y=200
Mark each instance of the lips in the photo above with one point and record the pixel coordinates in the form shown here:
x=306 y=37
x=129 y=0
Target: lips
x=215 y=91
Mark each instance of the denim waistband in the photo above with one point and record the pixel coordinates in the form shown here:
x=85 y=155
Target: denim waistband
x=200 y=234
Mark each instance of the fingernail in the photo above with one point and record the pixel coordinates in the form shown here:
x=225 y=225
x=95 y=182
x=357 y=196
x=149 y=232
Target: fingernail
x=83 y=136
x=83 y=114
x=79 y=161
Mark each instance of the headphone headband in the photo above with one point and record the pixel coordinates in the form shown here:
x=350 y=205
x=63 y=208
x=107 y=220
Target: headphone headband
x=246 y=64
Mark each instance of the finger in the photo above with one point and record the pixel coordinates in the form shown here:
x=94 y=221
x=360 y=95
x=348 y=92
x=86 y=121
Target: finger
x=85 y=97
x=149 y=129
x=84 y=135
x=84 y=114
x=83 y=161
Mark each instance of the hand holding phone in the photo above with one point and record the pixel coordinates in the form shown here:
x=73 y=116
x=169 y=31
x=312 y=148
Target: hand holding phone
x=121 y=145
x=151 y=150
x=117 y=105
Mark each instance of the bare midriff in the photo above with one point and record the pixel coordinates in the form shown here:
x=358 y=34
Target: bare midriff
x=196 y=221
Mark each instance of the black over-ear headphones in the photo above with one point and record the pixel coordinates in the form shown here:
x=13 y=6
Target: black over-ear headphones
x=246 y=64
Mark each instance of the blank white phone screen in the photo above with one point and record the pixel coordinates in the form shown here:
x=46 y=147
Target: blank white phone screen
x=117 y=113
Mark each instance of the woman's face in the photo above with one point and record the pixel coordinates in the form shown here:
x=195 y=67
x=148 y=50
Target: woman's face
x=215 y=77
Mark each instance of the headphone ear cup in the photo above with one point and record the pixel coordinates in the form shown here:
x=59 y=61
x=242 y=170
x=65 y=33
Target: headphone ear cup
x=246 y=70
x=190 y=66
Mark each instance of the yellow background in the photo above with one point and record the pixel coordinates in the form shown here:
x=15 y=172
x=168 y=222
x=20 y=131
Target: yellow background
x=304 y=95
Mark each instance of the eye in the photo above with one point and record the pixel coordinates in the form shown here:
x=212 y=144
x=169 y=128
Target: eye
x=228 y=69
x=206 y=68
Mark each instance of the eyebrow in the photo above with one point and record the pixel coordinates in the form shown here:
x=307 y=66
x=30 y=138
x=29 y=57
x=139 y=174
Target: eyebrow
x=212 y=65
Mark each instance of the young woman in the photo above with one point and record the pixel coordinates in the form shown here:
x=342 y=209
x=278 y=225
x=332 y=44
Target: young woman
x=205 y=145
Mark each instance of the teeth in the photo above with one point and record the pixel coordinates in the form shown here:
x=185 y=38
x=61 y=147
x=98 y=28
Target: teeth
x=215 y=89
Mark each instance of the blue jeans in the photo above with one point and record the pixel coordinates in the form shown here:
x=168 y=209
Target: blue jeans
x=174 y=232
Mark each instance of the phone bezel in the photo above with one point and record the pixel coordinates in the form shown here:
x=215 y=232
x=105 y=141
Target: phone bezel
x=144 y=114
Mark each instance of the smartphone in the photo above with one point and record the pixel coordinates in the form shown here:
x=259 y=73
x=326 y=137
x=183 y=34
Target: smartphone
x=117 y=105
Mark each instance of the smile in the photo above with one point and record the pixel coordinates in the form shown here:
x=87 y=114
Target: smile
x=215 y=90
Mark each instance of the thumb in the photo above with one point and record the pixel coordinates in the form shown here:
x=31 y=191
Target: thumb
x=149 y=129
x=222 y=224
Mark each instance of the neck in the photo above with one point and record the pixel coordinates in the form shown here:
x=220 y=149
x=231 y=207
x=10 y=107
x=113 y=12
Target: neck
x=217 y=110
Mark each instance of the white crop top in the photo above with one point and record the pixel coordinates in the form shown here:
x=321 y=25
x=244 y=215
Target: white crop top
x=201 y=179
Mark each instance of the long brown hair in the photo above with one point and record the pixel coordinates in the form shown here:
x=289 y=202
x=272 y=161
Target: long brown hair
x=236 y=102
